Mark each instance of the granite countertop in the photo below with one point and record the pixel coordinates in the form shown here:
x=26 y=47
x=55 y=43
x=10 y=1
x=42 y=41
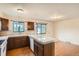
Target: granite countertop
x=3 y=37
x=16 y=35
x=40 y=39
x=43 y=40
x=12 y=35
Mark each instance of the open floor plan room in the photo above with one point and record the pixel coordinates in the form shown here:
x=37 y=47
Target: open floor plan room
x=39 y=29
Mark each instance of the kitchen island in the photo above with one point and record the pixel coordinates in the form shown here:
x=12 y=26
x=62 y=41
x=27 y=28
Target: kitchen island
x=43 y=46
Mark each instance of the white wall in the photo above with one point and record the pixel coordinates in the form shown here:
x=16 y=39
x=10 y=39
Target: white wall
x=67 y=30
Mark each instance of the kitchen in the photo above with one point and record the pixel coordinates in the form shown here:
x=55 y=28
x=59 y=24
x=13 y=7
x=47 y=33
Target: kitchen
x=15 y=40
x=39 y=29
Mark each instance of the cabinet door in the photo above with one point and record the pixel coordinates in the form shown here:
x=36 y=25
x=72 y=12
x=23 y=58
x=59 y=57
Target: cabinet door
x=17 y=42
x=30 y=25
x=13 y=43
x=49 y=49
x=38 y=49
x=35 y=49
x=23 y=41
x=10 y=44
x=4 y=25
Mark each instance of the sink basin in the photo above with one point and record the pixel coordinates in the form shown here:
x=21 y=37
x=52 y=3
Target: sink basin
x=3 y=37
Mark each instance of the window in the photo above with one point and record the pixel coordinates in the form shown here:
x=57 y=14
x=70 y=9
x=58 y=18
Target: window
x=18 y=26
x=41 y=28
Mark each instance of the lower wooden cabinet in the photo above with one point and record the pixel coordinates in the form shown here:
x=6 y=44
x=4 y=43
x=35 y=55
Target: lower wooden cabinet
x=17 y=42
x=44 y=50
x=38 y=49
x=10 y=43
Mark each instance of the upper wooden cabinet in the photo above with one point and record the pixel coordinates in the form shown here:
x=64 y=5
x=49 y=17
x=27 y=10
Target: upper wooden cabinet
x=4 y=24
x=30 y=25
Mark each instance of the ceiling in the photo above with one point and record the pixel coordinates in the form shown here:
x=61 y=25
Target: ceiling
x=44 y=11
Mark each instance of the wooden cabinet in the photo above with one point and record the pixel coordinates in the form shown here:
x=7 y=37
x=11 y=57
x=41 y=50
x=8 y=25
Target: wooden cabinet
x=4 y=24
x=30 y=25
x=10 y=43
x=38 y=49
x=43 y=50
x=17 y=42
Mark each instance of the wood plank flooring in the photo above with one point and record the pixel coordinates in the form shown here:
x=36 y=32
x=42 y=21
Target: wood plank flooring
x=66 y=49
x=61 y=49
x=20 y=52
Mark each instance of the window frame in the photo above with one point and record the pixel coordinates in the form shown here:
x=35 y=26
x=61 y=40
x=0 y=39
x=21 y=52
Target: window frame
x=18 y=23
x=41 y=28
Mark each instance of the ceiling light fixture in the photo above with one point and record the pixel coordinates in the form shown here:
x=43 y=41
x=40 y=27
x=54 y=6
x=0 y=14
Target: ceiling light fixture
x=20 y=10
x=56 y=17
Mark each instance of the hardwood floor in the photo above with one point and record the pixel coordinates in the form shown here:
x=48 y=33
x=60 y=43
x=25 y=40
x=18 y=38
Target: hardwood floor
x=66 y=49
x=61 y=49
x=20 y=52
